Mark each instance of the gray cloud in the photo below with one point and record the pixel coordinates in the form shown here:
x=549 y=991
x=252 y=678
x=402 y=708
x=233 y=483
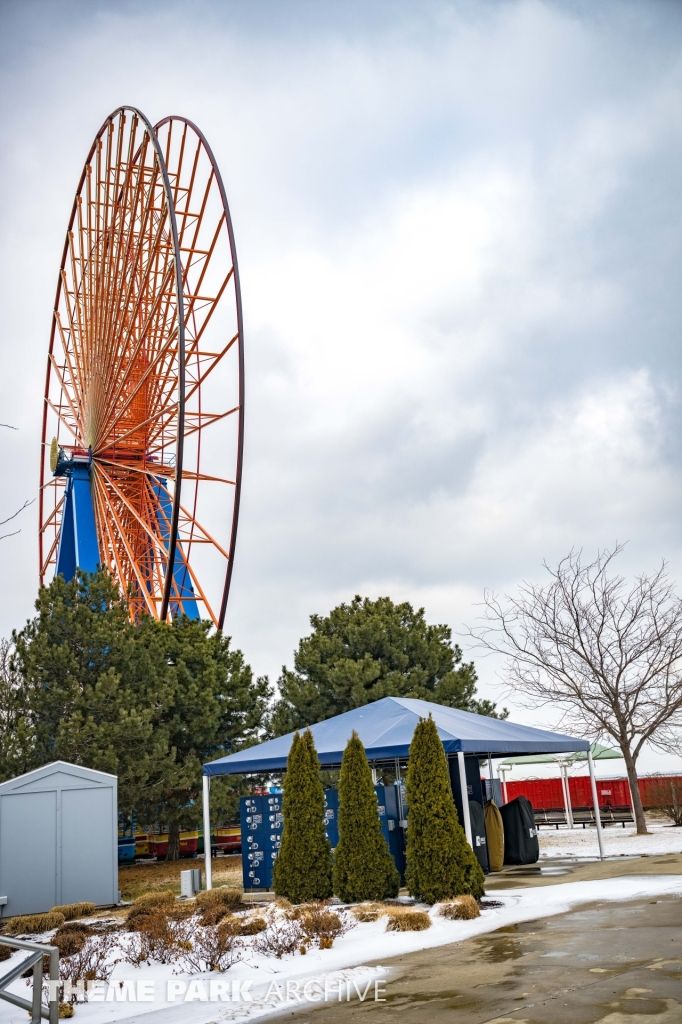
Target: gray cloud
x=459 y=235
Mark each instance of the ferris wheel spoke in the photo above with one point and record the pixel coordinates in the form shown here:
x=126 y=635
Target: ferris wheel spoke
x=205 y=419
x=213 y=365
x=112 y=517
x=156 y=540
x=65 y=392
x=152 y=366
x=53 y=515
x=72 y=428
x=141 y=245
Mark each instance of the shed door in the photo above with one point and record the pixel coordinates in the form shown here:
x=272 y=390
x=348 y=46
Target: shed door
x=28 y=852
x=89 y=871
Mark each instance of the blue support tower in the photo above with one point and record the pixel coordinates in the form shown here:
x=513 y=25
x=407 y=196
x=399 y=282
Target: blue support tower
x=78 y=547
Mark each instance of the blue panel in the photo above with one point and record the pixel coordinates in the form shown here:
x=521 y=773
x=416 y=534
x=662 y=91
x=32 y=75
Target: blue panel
x=261 y=824
x=78 y=547
x=181 y=574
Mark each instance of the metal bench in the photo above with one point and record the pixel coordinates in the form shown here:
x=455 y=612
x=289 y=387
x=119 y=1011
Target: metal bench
x=609 y=816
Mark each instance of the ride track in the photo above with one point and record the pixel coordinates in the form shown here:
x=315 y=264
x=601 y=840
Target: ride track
x=144 y=391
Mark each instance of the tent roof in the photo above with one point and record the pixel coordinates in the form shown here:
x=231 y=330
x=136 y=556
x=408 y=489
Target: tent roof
x=386 y=727
x=599 y=753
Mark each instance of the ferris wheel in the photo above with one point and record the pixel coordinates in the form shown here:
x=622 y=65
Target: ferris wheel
x=143 y=417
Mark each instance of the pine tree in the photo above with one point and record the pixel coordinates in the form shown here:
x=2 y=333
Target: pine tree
x=440 y=862
x=363 y=866
x=303 y=869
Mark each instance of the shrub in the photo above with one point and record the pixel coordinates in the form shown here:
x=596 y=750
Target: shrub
x=93 y=962
x=282 y=935
x=321 y=924
x=137 y=915
x=213 y=948
x=363 y=866
x=71 y=938
x=408 y=921
x=253 y=925
x=223 y=896
x=34 y=924
x=440 y=862
x=155 y=899
x=212 y=915
x=5 y=953
x=364 y=914
x=159 y=940
x=73 y=910
x=303 y=869
x=465 y=908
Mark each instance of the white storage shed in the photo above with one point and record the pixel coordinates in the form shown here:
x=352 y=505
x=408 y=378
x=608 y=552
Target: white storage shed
x=58 y=839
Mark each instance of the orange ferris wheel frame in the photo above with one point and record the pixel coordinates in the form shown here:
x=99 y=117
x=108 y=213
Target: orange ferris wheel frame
x=146 y=339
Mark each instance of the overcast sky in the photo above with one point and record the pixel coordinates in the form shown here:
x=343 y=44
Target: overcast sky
x=459 y=233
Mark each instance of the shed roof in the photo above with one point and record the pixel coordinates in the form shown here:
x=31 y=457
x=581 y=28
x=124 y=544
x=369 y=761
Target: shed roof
x=386 y=728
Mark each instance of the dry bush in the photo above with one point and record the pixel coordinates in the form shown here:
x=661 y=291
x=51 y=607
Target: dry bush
x=282 y=903
x=65 y=1010
x=34 y=924
x=5 y=953
x=213 y=915
x=156 y=899
x=138 y=914
x=253 y=926
x=319 y=923
x=158 y=939
x=408 y=921
x=281 y=935
x=463 y=908
x=368 y=912
x=224 y=896
x=73 y=910
x=94 y=962
x=71 y=938
x=214 y=948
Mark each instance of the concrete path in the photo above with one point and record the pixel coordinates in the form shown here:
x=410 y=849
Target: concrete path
x=601 y=964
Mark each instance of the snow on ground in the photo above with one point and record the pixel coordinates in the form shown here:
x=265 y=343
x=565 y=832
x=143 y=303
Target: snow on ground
x=579 y=842
x=277 y=985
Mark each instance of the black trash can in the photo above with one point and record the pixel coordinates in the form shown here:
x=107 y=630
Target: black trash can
x=521 y=844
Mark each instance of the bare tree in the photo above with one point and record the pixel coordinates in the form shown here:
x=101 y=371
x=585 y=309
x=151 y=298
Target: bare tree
x=25 y=505
x=606 y=654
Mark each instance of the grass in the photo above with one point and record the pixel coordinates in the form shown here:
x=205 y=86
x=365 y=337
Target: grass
x=408 y=921
x=136 y=879
x=33 y=924
x=463 y=908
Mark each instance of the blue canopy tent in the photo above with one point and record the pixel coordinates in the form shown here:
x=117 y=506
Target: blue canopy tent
x=386 y=728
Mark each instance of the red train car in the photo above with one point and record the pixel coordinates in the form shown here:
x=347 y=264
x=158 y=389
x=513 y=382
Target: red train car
x=545 y=794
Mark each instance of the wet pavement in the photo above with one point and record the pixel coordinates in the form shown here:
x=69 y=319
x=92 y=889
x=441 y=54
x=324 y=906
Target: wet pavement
x=603 y=963
x=581 y=869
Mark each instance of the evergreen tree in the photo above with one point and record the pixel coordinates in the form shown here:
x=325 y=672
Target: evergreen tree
x=366 y=650
x=147 y=701
x=440 y=862
x=363 y=866
x=303 y=869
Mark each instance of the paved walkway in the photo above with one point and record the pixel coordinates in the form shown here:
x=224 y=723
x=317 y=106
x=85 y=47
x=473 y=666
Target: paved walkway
x=604 y=963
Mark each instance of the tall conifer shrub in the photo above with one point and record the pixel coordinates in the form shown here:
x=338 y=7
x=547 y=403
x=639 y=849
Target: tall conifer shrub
x=363 y=866
x=303 y=869
x=440 y=862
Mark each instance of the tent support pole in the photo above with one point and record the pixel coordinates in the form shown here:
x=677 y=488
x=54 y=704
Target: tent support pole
x=207 y=832
x=597 y=817
x=565 y=789
x=465 y=797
